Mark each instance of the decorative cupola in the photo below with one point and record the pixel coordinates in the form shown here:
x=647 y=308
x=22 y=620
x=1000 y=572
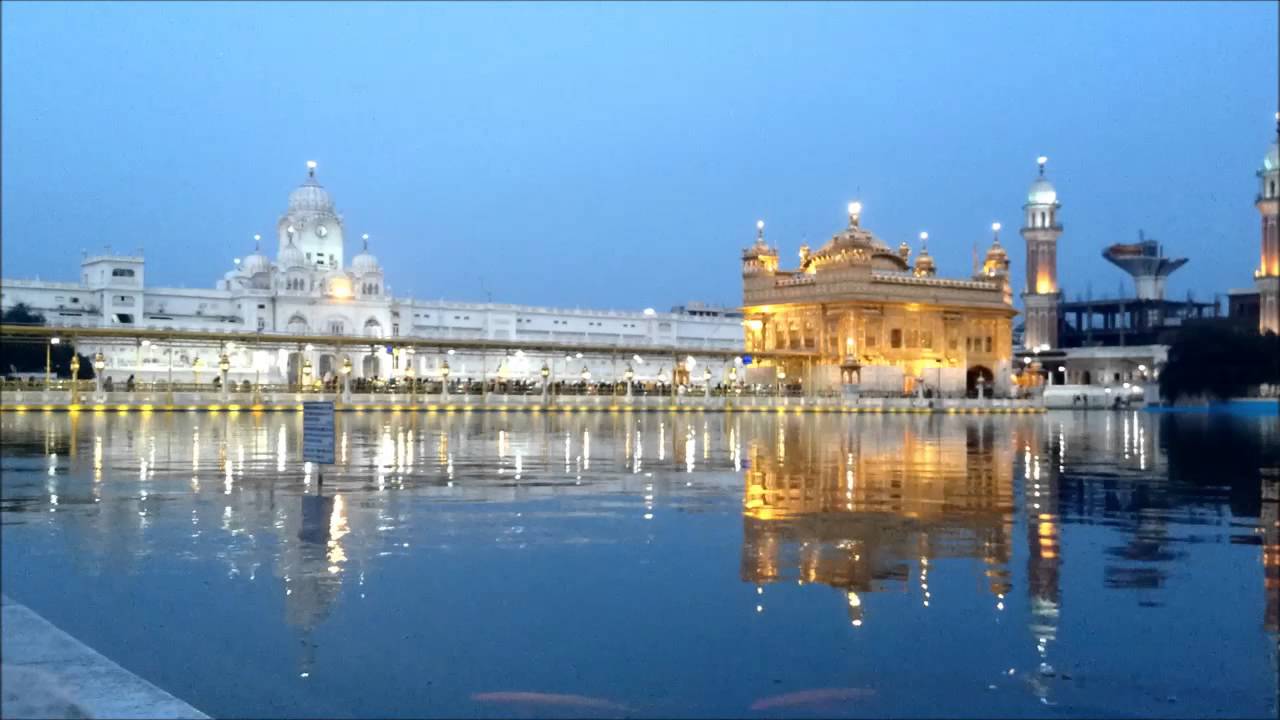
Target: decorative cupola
x=759 y=258
x=924 y=261
x=997 y=260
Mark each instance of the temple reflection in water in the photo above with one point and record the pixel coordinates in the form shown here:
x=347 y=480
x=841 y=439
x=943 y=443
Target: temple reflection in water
x=867 y=507
x=863 y=505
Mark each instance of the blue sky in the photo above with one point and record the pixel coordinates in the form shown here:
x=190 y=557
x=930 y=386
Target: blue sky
x=618 y=155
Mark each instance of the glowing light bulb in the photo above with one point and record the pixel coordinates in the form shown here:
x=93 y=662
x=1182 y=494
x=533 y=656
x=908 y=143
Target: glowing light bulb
x=995 y=226
x=759 y=224
x=924 y=236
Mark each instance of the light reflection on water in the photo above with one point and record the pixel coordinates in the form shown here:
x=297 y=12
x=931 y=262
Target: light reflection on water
x=690 y=564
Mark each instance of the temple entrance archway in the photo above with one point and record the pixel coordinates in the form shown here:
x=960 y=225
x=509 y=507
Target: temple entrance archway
x=971 y=381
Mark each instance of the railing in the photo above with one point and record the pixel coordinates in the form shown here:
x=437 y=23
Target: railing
x=21 y=395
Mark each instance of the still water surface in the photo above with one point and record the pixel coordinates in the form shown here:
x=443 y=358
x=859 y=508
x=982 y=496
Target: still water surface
x=1089 y=564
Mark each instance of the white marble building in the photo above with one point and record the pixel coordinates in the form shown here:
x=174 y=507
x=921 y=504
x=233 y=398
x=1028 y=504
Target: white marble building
x=311 y=289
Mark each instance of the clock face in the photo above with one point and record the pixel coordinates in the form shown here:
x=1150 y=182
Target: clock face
x=321 y=231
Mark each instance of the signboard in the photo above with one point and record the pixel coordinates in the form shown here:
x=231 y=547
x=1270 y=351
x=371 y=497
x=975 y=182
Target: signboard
x=746 y=359
x=317 y=432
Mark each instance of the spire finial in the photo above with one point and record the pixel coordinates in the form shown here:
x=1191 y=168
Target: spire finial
x=257 y=242
x=995 y=230
x=1041 y=162
x=365 y=238
x=311 y=168
x=924 y=242
x=855 y=212
x=760 y=232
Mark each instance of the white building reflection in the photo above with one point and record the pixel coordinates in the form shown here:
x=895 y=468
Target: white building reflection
x=860 y=505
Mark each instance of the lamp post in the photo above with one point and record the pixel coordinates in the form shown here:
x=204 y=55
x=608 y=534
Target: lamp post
x=346 y=379
x=224 y=366
x=48 y=361
x=706 y=378
x=782 y=380
x=546 y=374
x=444 y=382
x=99 y=362
x=733 y=378
x=306 y=373
x=979 y=384
x=75 y=377
x=628 y=375
x=586 y=378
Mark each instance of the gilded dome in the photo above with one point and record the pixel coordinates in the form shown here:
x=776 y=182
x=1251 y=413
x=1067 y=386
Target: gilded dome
x=924 y=263
x=856 y=244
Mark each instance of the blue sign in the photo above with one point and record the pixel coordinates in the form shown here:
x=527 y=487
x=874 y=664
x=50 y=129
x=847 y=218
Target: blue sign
x=746 y=359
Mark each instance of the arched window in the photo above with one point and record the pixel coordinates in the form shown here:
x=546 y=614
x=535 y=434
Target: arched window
x=297 y=325
x=372 y=328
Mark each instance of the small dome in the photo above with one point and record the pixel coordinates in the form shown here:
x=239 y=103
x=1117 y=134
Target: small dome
x=1042 y=193
x=904 y=250
x=1271 y=162
x=256 y=262
x=365 y=262
x=924 y=263
x=292 y=257
x=997 y=252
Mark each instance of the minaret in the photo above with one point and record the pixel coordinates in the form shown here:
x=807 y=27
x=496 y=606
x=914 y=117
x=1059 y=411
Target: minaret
x=1041 y=231
x=1267 y=276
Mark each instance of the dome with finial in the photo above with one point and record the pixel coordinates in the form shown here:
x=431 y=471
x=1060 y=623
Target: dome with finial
x=256 y=262
x=1042 y=191
x=924 y=263
x=310 y=195
x=857 y=245
x=904 y=250
x=997 y=259
x=291 y=256
x=365 y=262
x=760 y=248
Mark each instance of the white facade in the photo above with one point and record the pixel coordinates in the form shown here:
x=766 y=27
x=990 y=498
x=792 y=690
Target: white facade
x=309 y=289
